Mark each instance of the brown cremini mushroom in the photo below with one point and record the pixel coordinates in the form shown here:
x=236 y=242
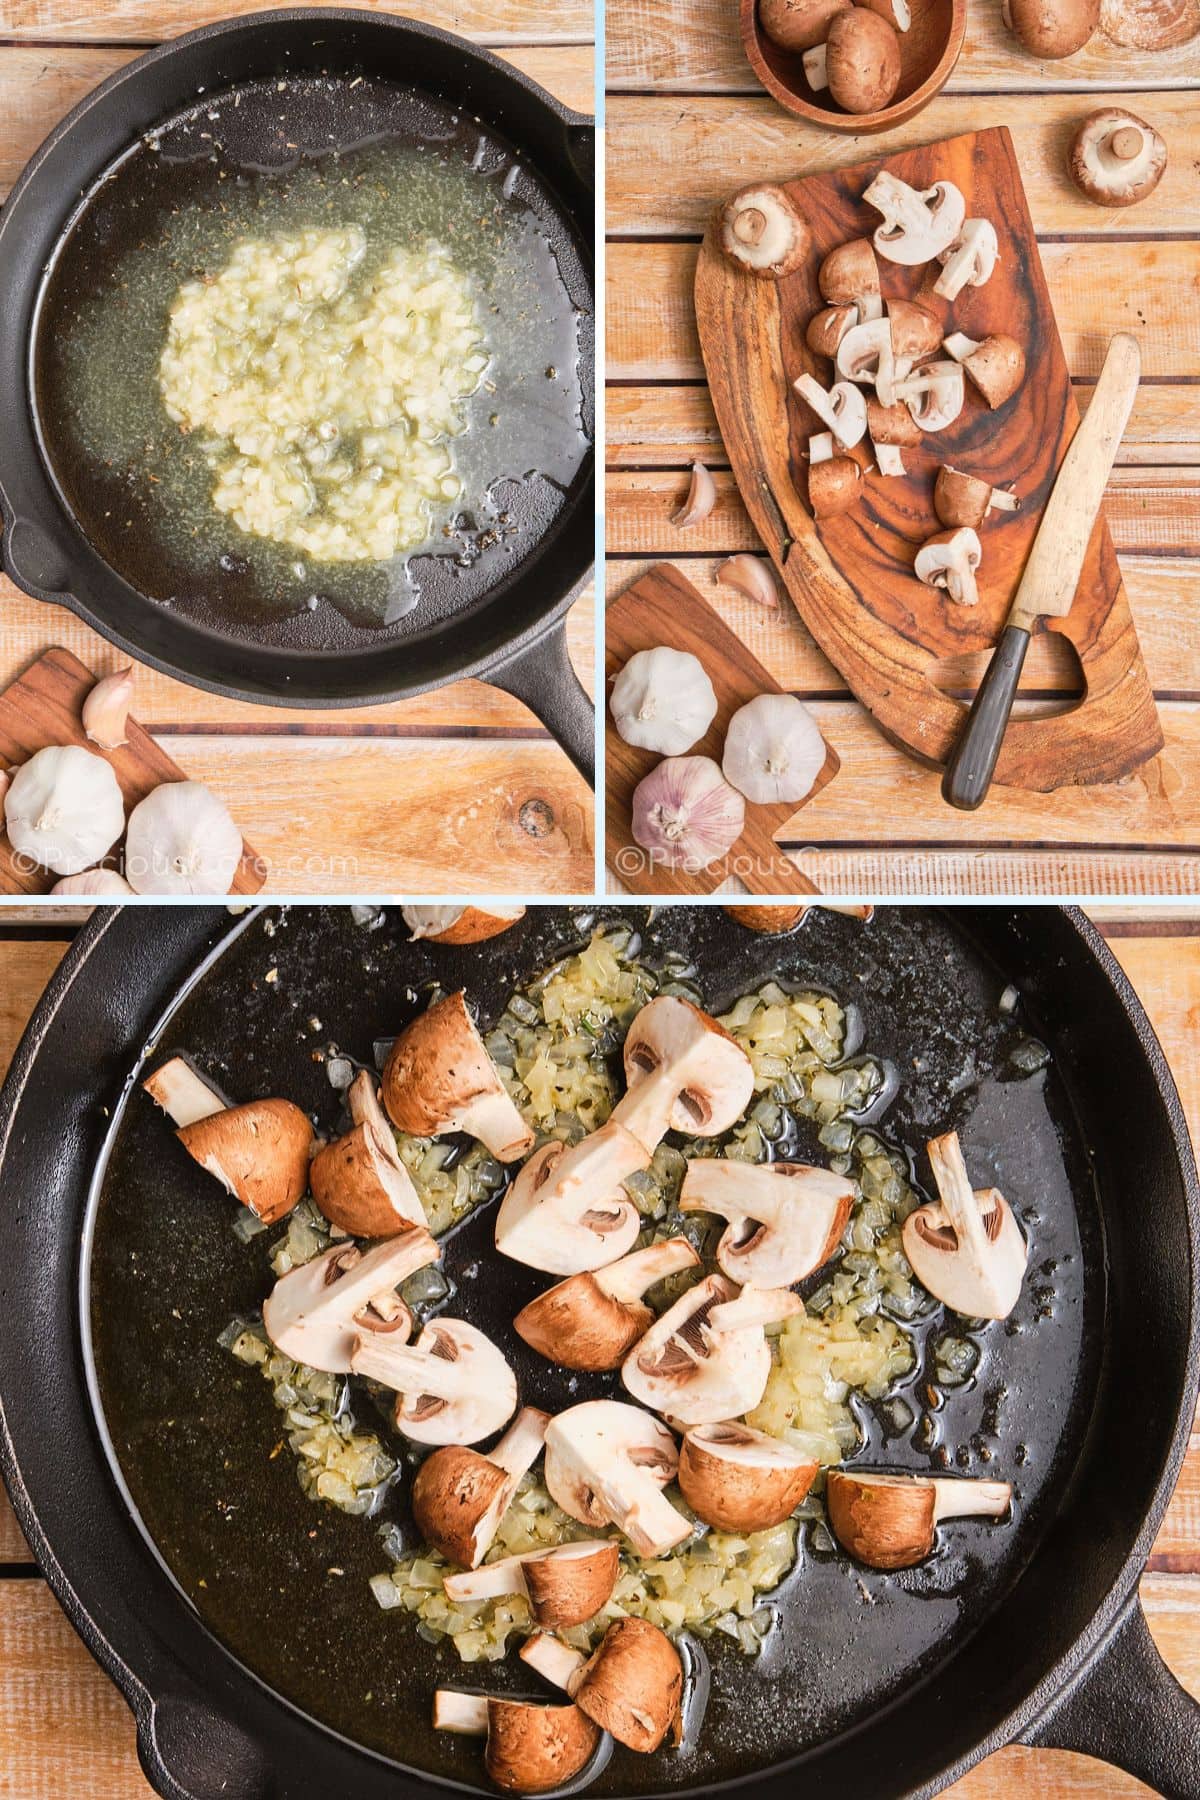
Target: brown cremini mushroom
x=785 y=1219
x=440 y=1078
x=916 y=334
x=453 y=1384
x=459 y=924
x=1051 y=28
x=996 y=365
x=738 y=1479
x=898 y=13
x=827 y=328
x=859 y=61
x=783 y=918
x=258 y=1152
x=359 y=1181
x=532 y=1747
x=707 y=1357
x=891 y=430
x=631 y=1685
x=607 y=1464
x=917 y=223
x=564 y=1585
x=833 y=486
x=684 y=1073
x=591 y=1321
x=949 y=560
x=568 y=1210
x=1116 y=159
x=760 y=230
x=960 y=499
x=798 y=24
x=888 y=1521
x=316 y=1314
x=460 y=1496
x=966 y=1247
x=849 y=276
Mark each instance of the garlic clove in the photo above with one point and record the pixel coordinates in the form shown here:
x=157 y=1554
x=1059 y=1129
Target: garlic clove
x=663 y=700
x=701 y=498
x=750 y=576
x=63 y=809
x=773 y=750
x=181 y=840
x=106 y=709
x=98 y=883
x=685 y=814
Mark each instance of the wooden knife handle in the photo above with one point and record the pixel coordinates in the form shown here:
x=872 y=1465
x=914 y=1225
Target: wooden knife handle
x=973 y=760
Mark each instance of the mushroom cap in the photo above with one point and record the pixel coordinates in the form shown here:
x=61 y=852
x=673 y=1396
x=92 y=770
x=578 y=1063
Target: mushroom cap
x=579 y=1326
x=849 y=274
x=997 y=368
x=768 y=918
x=862 y=60
x=892 y=424
x=439 y=1077
x=607 y=1463
x=798 y=24
x=833 y=486
x=760 y=230
x=536 y=1746
x=916 y=334
x=684 y=1072
x=960 y=499
x=316 y=1313
x=258 y=1152
x=459 y=924
x=1052 y=28
x=827 y=328
x=361 y=1189
x=632 y=1685
x=569 y=1583
x=567 y=1210
x=1116 y=158
x=693 y=1373
x=453 y=1492
x=885 y=1521
x=738 y=1479
x=786 y=1219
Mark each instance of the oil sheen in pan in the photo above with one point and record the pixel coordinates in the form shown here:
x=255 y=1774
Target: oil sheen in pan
x=282 y=156
x=193 y=1431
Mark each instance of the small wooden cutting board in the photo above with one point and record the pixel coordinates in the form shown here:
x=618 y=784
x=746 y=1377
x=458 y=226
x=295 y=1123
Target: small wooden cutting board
x=851 y=577
x=661 y=607
x=43 y=707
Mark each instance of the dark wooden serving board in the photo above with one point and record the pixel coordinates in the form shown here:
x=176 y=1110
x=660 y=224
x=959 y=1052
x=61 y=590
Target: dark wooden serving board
x=664 y=608
x=43 y=707
x=851 y=578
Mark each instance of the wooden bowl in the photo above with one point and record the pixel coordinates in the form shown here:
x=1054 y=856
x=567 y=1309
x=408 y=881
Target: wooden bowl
x=929 y=50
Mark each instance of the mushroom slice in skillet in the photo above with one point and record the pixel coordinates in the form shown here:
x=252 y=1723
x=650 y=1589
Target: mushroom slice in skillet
x=785 y=1219
x=684 y=1072
x=966 y=1248
x=564 y=1585
x=454 y=1385
x=320 y=1311
x=888 y=1521
x=631 y=1685
x=359 y=1181
x=607 y=1464
x=567 y=1210
x=533 y=1746
x=707 y=1358
x=591 y=1321
x=439 y=1078
x=459 y=1496
x=258 y=1151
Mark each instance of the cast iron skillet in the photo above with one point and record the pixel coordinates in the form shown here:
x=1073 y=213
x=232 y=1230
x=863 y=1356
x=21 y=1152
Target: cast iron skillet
x=511 y=633
x=1053 y=1650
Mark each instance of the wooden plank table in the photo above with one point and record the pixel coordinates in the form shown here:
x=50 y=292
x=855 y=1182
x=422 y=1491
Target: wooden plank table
x=686 y=123
x=462 y=790
x=65 y=1730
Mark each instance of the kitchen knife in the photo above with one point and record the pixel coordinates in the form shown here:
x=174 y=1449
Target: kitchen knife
x=1052 y=573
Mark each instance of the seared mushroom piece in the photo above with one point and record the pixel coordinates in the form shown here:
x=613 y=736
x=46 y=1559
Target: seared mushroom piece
x=607 y=1464
x=833 y=486
x=996 y=365
x=459 y=1496
x=949 y=560
x=317 y=1313
x=440 y=1078
x=785 y=1219
x=761 y=231
x=849 y=276
x=532 y=1748
x=827 y=328
x=453 y=1384
x=739 y=1479
x=564 y=1585
x=358 y=1181
x=934 y=394
x=567 y=1210
x=917 y=224
x=859 y=62
x=966 y=1247
x=888 y=1521
x=707 y=1358
x=459 y=924
x=631 y=1685
x=1051 y=28
x=684 y=1072
x=1116 y=159
x=969 y=260
x=592 y=1321
x=960 y=499
x=258 y=1152
x=892 y=430
x=798 y=24
x=183 y=1093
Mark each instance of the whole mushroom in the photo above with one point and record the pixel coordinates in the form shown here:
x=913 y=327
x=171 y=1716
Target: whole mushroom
x=798 y=24
x=761 y=230
x=1051 y=28
x=859 y=62
x=1116 y=159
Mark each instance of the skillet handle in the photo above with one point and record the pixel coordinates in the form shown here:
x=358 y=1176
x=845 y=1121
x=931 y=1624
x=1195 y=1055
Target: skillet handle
x=188 y=1751
x=543 y=678
x=1127 y=1708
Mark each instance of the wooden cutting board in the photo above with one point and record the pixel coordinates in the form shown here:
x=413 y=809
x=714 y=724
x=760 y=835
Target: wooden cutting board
x=43 y=707
x=664 y=608
x=851 y=578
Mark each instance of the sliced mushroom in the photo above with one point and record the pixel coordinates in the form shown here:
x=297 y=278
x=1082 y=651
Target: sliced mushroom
x=567 y=1210
x=258 y=1152
x=592 y=1321
x=1051 y=28
x=761 y=231
x=827 y=328
x=966 y=1248
x=798 y=24
x=532 y=1748
x=783 y=918
x=849 y=276
x=454 y=1385
x=820 y=447
x=183 y=1093
x=607 y=1464
x=843 y=408
x=317 y=1313
x=888 y=1521
x=891 y=429
x=934 y=395
x=833 y=486
x=707 y=1358
x=439 y=1078
x=1116 y=159
x=358 y=1181
x=862 y=60
x=564 y=1585
x=631 y=1685
x=969 y=260
x=459 y=924
x=949 y=560
x=785 y=1219
x=996 y=366
x=865 y=355
x=459 y=1496
x=960 y=499
x=917 y=224
x=684 y=1073
x=738 y=1479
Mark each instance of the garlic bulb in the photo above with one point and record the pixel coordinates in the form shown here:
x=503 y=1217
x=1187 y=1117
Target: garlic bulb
x=106 y=709
x=181 y=840
x=63 y=809
x=104 y=883
x=662 y=700
x=773 y=750
x=459 y=924
x=686 y=814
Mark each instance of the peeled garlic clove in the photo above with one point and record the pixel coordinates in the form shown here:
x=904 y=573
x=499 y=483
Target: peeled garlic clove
x=686 y=814
x=701 y=498
x=100 y=883
x=63 y=809
x=106 y=709
x=663 y=700
x=750 y=576
x=773 y=750
x=459 y=924
x=181 y=840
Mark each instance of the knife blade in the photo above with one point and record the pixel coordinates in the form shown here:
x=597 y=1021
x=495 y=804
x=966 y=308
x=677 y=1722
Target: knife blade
x=1051 y=576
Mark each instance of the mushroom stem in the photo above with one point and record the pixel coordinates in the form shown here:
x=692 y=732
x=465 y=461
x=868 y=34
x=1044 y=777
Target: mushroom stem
x=521 y=1444
x=753 y=1308
x=491 y=1582
x=554 y=1660
x=408 y=1369
x=960 y=346
x=820 y=447
x=466 y=1714
x=815 y=67
x=969 y=1499
x=184 y=1095
x=958 y=1196
x=628 y=1279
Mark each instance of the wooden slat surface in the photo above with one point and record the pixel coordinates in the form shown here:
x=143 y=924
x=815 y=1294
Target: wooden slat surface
x=147 y=21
